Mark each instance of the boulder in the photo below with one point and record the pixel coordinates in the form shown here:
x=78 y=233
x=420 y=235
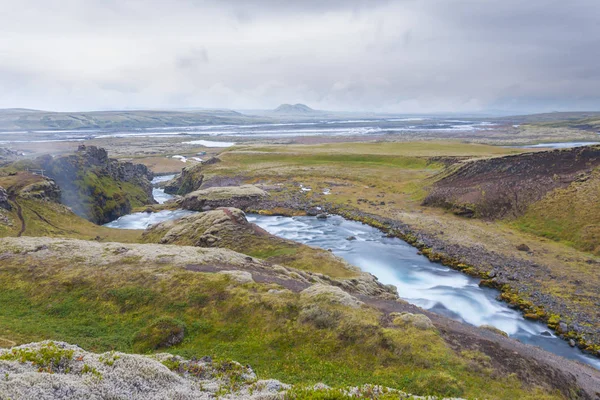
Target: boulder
x=419 y=321
x=243 y=197
x=240 y=277
x=330 y=294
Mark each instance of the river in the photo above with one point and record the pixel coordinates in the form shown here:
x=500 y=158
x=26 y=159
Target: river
x=419 y=281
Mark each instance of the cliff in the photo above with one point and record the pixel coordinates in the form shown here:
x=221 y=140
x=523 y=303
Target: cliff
x=97 y=187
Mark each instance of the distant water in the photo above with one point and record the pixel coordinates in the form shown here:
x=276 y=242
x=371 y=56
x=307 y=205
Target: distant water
x=562 y=145
x=419 y=281
x=341 y=127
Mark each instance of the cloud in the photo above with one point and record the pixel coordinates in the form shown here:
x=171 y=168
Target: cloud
x=395 y=56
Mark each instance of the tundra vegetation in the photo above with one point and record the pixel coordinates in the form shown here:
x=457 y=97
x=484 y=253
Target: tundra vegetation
x=214 y=285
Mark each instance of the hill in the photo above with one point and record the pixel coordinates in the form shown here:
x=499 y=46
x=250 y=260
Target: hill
x=295 y=109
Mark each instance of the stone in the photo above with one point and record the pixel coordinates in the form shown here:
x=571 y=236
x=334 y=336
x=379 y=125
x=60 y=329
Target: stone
x=351 y=238
x=241 y=277
x=331 y=294
x=523 y=247
x=322 y=216
x=563 y=328
x=572 y=343
x=419 y=321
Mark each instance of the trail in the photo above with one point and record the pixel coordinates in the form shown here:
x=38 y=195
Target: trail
x=20 y=215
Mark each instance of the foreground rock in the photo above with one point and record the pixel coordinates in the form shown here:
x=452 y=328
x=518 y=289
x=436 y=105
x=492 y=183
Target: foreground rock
x=58 y=370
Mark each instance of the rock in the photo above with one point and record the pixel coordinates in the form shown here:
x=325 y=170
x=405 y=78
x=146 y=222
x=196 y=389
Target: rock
x=419 y=321
x=4 y=199
x=331 y=294
x=312 y=212
x=322 y=216
x=494 y=329
x=546 y=333
x=240 y=277
x=563 y=328
x=351 y=238
x=112 y=375
x=523 y=247
x=229 y=196
x=572 y=343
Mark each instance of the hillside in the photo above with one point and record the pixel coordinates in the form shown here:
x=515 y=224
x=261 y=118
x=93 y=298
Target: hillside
x=20 y=119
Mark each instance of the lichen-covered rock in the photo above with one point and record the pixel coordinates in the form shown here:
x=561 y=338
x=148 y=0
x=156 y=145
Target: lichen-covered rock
x=241 y=277
x=56 y=370
x=419 y=321
x=330 y=294
x=229 y=196
x=46 y=190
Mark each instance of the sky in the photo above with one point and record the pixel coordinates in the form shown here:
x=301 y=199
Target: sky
x=403 y=56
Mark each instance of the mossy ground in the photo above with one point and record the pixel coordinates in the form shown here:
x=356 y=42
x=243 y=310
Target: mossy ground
x=106 y=308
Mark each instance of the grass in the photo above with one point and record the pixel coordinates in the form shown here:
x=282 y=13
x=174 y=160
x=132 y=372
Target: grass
x=106 y=308
x=570 y=215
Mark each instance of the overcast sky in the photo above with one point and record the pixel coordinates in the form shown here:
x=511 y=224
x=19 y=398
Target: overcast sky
x=404 y=56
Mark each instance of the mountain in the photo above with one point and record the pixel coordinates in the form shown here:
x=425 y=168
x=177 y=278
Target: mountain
x=296 y=109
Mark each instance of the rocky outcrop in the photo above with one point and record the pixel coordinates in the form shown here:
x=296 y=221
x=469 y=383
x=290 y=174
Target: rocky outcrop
x=4 y=199
x=190 y=178
x=97 y=187
x=46 y=190
x=507 y=186
x=242 y=197
x=59 y=370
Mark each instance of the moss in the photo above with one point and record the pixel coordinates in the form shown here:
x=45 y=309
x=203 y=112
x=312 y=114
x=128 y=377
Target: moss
x=49 y=358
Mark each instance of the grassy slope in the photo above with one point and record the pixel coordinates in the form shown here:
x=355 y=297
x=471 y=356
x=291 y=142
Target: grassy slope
x=46 y=218
x=102 y=308
x=570 y=215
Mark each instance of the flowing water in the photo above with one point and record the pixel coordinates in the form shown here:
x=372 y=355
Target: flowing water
x=142 y=220
x=419 y=281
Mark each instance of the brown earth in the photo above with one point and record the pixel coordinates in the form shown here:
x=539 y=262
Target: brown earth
x=506 y=186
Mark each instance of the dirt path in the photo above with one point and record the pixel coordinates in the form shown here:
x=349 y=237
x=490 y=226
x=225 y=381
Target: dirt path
x=20 y=215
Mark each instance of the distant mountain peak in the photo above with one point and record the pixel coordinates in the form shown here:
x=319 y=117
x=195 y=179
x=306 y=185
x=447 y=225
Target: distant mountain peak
x=294 y=109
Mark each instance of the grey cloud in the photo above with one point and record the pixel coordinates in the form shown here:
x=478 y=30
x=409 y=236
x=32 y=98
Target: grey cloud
x=400 y=56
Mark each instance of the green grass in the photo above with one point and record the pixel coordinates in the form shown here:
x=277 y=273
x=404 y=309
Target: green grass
x=570 y=215
x=110 y=308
